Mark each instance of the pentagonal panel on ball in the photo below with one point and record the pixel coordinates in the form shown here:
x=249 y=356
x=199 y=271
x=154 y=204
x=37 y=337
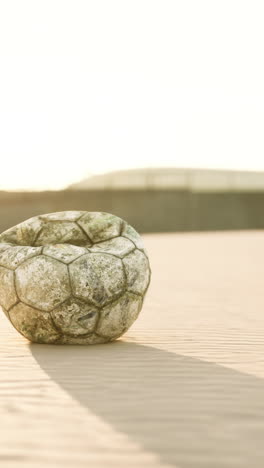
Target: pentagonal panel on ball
x=97 y=278
x=42 y=282
x=119 y=246
x=62 y=216
x=75 y=317
x=119 y=316
x=66 y=253
x=130 y=233
x=35 y=325
x=100 y=226
x=13 y=256
x=61 y=232
x=23 y=233
x=28 y=230
x=8 y=295
x=137 y=271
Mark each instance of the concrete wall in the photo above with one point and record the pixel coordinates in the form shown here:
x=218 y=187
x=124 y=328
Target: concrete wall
x=147 y=210
x=195 y=180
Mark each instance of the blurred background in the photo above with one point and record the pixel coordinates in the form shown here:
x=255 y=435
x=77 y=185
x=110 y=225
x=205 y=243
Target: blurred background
x=150 y=109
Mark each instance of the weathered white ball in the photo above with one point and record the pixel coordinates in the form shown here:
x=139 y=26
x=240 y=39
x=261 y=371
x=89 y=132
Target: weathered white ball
x=72 y=277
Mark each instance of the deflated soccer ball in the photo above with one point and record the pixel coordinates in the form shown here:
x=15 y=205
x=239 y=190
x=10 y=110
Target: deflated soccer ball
x=73 y=277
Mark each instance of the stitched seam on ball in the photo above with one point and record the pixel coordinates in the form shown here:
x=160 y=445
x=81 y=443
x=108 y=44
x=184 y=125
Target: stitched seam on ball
x=94 y=304
x=15 y=285
x=138 y=248
x=107 y=253
x=25 y=259
x=125 y=275
x=84 y=213
x=117 y=295
x=77 y=258
x=107 y=239
x=36 y=238
x=80 y=300
x=104 y=251
x=59 y=222
x=19 y=331
x=106 y=305
x=10 y=308
x=69 y=276
x=130 y=291
x=60 y=333
x=82 y=229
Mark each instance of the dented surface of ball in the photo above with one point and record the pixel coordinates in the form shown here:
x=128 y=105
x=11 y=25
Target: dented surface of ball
x=72 y=277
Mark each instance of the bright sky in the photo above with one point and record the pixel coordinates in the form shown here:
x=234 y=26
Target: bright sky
x=88 y=86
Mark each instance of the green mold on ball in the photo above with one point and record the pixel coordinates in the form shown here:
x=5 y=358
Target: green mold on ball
x=73 y=277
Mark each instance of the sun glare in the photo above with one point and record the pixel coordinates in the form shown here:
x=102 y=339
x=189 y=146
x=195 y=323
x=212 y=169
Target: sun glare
x=72 y=103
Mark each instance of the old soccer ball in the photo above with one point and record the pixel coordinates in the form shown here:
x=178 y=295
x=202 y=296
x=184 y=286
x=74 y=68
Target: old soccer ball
x=72 y=277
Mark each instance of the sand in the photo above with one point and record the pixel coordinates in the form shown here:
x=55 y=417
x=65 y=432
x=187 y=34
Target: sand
x=183 y=388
